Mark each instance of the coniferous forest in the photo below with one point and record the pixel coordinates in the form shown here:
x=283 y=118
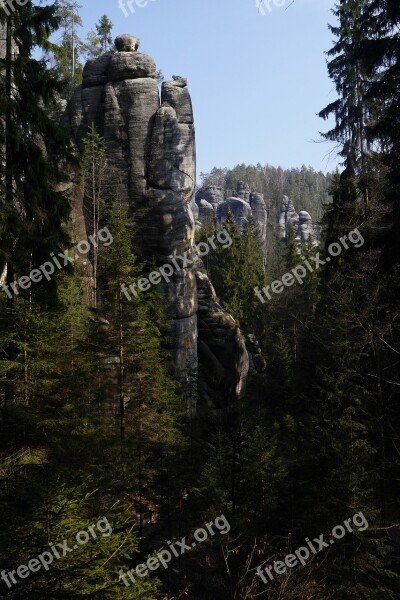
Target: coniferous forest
x=199 y=386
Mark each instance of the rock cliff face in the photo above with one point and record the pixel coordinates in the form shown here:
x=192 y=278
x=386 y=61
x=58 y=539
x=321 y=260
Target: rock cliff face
x=213 y=195
x=301 y=223
x=150 y=145
x=244 y=205
x=223 y=358
x=239 y=208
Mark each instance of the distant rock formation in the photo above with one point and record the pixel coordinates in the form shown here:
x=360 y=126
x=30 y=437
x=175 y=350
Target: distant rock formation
x=239 y=208
x=260 y=216
x=245 y=205
x=151 y=155
x=205 y=210
x=257 y=363
x=243 y=191
x=301 y=223
x=213 y=195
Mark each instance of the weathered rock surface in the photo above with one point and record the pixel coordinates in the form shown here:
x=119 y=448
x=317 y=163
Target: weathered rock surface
x=239 y=205
x=126 y=43
x=213 y=194
x=125 y=65
x=205 y=210
x=243 y=205
x=95 y=72
x=221 y=345
x=239 y=208
x=305 y=228
x=301 y=223
x=243 y=191
x=151 y=155
x=176 y=94
x=260 y=217
x=257 y=363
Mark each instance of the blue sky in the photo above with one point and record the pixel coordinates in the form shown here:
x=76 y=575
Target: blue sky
x=256 y=81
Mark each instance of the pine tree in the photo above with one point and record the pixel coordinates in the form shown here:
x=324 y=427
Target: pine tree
x=92 y=47
x=235 y=271
x=104 y=29
x=35 y=146
x=354 y=322
x=351 y=110
x=67 y=53
x=151 y=413
x=94 y=170
x=60 y=460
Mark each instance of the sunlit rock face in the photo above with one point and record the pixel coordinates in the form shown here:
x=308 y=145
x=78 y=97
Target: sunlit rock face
x=205 y=211
x=244 y=205
x=240 y=209
x=305 y=229
x=301 y=223
x=151 y=152
x=212 y=194
x=243 y=191
x=287 y=217
x=260 y=217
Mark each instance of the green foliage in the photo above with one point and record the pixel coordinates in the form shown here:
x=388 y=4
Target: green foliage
x=60 y=456
x=35 y=147
x=67 y=52
x=99 y=40
x=104 y=29
x=94 y=171
x=236 y=270
x=92 y=422
x=215 y=177
x=92 y=45
x=308 y=189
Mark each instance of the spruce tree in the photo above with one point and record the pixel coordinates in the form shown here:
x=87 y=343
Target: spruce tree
x=67 y=52
x=351 y=109
x=104 y=29
x=94 y=170
x=236 y=270
x=151 y=413
x=35 y=146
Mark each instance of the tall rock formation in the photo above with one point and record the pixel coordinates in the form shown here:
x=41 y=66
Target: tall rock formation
x=150 y=145
x=243 y=191
x=206 y=203
x=239 y=208
x=260 y=217
x=244 y=205
x=301 y=223
x=212 y=194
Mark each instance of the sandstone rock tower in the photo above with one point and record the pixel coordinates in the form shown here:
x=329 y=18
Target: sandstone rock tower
x=244 y=205
x=152 y=161
x=301 y=223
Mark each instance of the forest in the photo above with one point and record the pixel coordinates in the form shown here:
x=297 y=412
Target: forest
x=188 y=440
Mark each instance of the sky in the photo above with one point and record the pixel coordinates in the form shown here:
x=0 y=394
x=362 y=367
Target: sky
x=257 y=80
